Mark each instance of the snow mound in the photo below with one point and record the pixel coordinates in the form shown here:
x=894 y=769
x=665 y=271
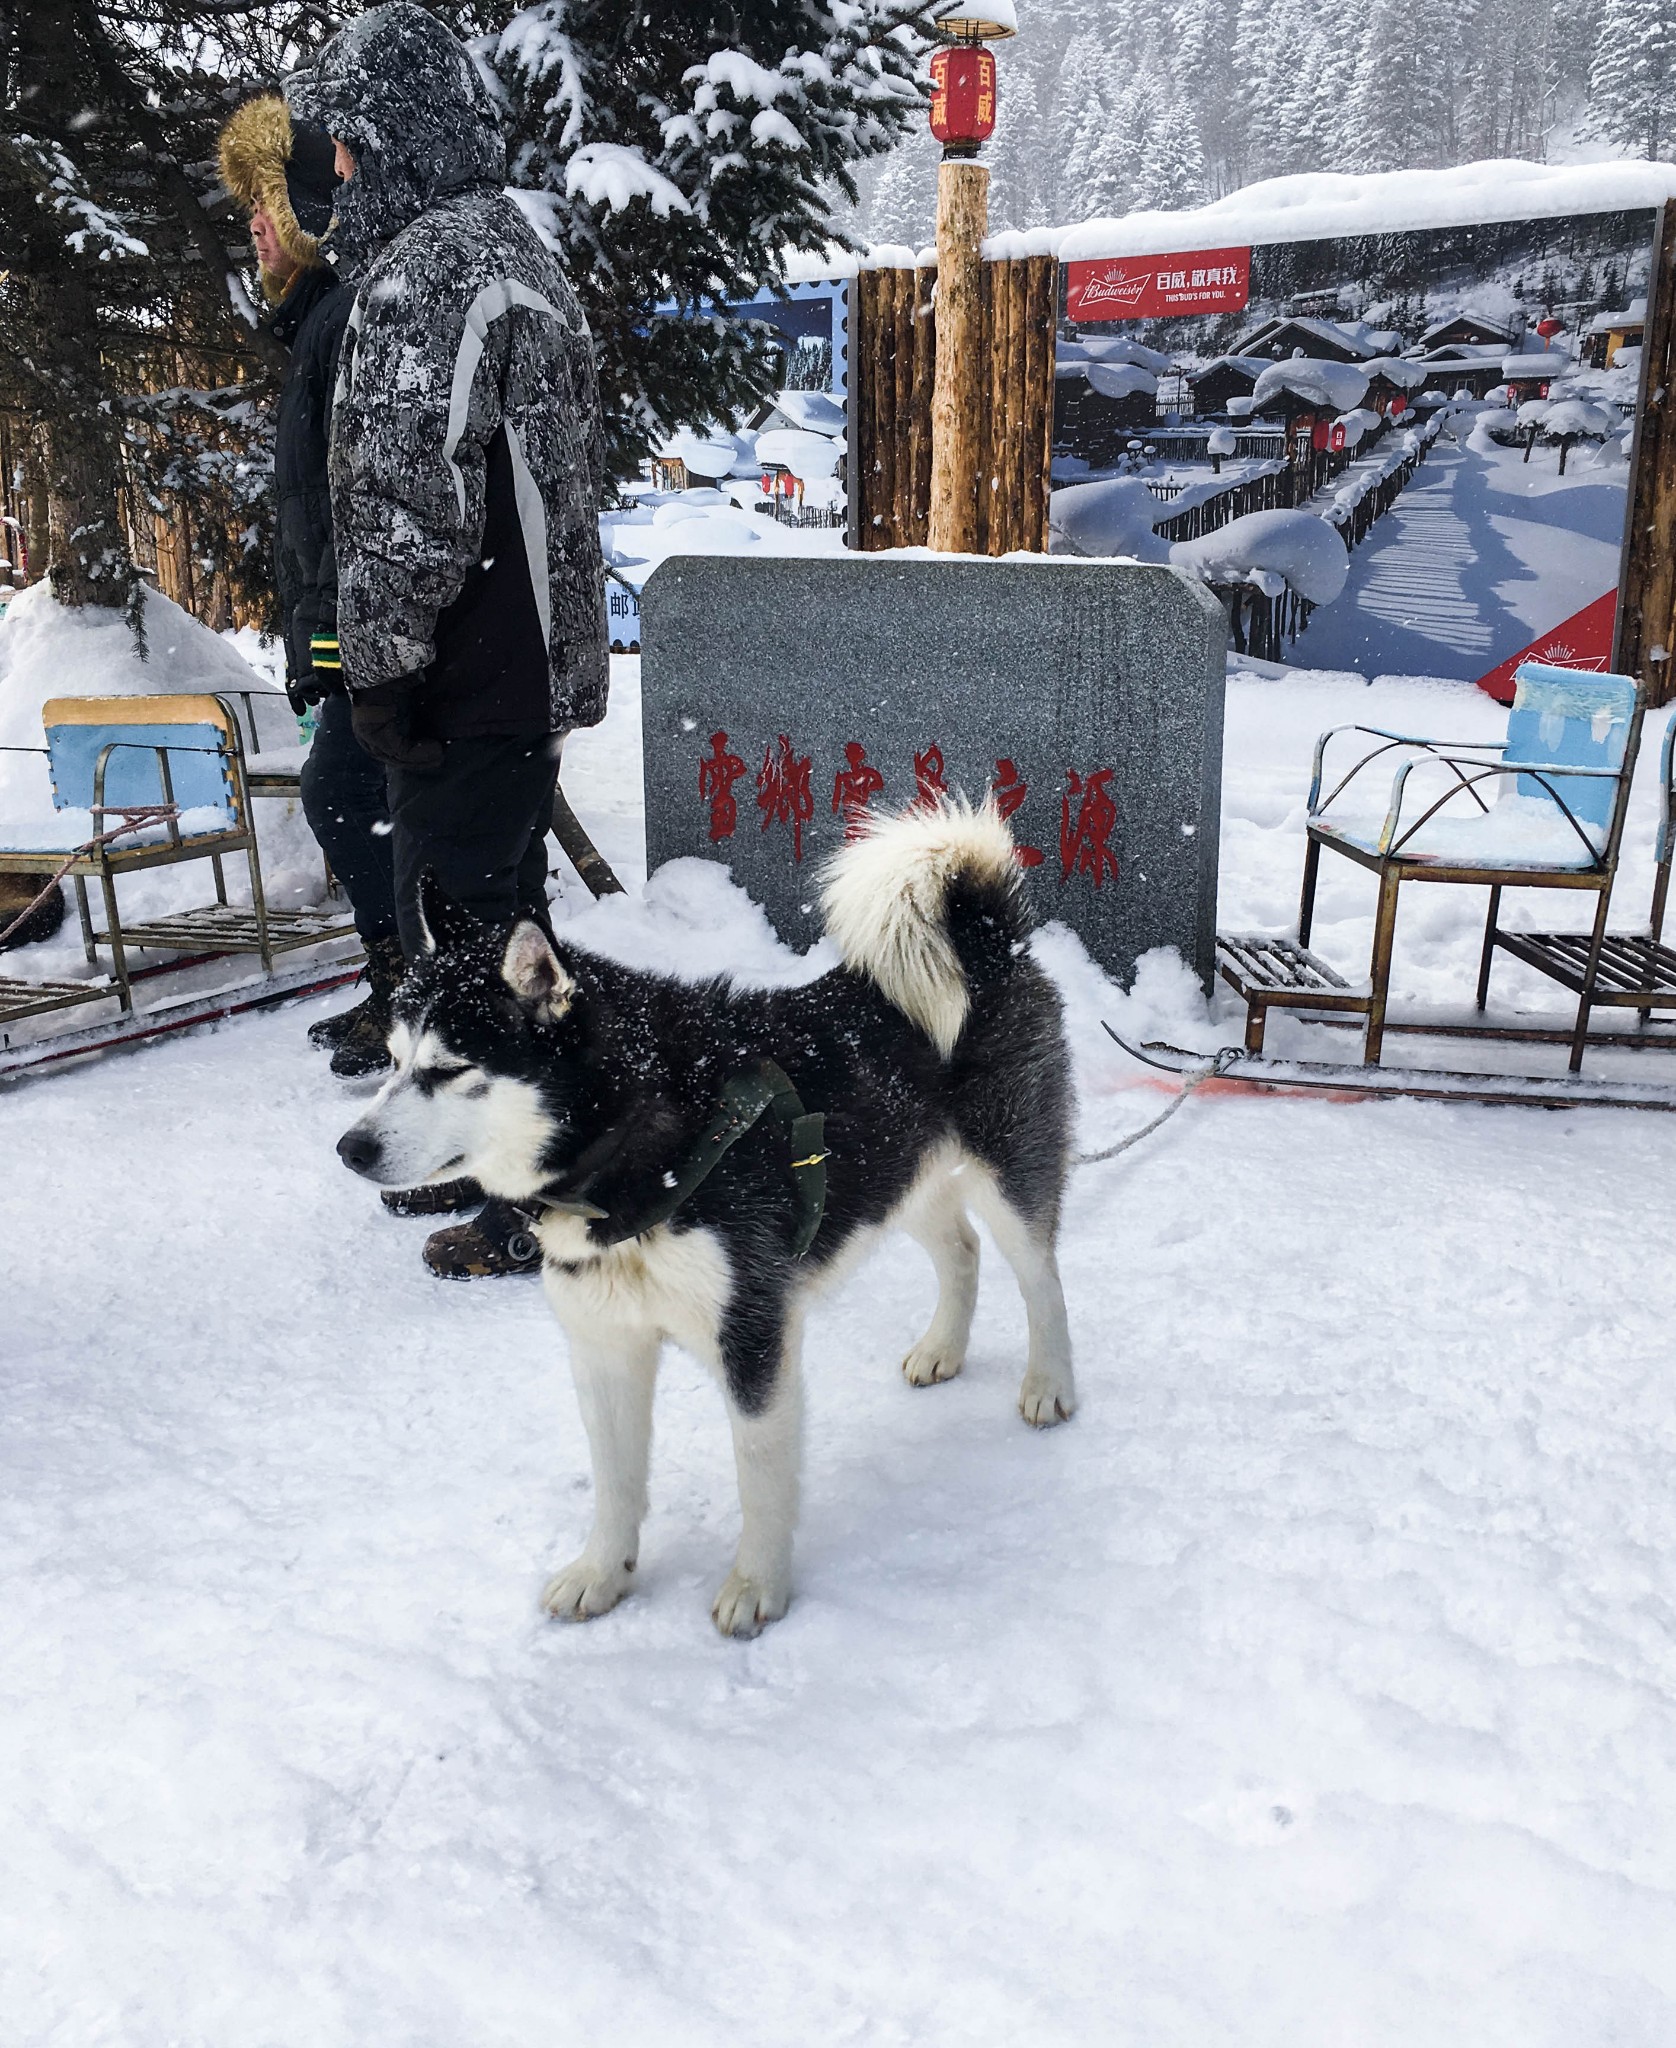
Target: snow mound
x=1119 y=348
x=1575 y=418
x=1121 y=380
x=816 y=412
x=1336 y=387
x=48 y=650
x=1405 y=376
x=715 y=453
x=1296 y=547
x=805 y=455
x=1221 y=441
x=1112 y=518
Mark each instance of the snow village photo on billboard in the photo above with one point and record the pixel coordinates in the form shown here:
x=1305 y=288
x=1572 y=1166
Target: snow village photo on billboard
x=1458 y=405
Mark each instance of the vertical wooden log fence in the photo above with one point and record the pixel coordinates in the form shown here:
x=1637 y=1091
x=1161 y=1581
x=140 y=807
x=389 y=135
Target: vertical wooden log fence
x=894 y=355
x=1646 y=645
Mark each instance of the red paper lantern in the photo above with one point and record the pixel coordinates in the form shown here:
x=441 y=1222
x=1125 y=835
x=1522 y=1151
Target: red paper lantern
x=963 y=96
x=1320 y=435
x=1338 y=439
x=1548 y=327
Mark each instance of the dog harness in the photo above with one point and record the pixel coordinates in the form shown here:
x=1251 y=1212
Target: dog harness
x=756 y=1089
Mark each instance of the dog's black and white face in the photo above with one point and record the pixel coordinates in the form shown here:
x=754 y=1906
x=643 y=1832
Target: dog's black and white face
x=479 y=1080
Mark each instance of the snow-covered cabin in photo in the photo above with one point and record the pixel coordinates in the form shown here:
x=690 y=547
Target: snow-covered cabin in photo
x=1393 y=381
x=1532 y=375
x=1460 y=366
x=1608 y=333
x=1471 y=329
x=1324 y=340
x=1300 y=388
x=801 y=412
x=1225 y=379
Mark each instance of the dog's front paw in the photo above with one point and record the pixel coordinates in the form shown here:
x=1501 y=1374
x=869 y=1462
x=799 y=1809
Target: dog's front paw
x=745 y=1606
x=1044 y=1400
x=585 y=1589
x=929 y=1362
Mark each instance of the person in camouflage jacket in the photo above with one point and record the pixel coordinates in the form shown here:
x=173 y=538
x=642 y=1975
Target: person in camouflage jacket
x=467 y=462
x=467 y=451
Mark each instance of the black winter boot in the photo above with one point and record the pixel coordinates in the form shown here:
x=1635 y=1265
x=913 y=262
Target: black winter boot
x=499 y=1239
x=360 y=1046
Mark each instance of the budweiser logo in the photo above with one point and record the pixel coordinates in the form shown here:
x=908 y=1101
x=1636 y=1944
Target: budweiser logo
x=1116 y=288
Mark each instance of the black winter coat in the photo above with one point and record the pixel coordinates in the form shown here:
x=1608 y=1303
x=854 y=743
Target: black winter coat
x=309 y=321
x=467 y=448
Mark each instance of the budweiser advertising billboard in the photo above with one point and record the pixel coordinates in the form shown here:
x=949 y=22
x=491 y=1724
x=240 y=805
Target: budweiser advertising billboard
x=1153 y=287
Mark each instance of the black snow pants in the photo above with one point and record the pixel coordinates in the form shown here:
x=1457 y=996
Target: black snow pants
x=348 y=811
x=480 y=822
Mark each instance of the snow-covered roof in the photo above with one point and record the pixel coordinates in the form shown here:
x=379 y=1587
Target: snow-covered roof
x=1490 y=323
x=1121 y=380
x=1317 y=204
x=816 y=412
x=1338 y=387
x=1329 y=331
x=1549 y=363
x=1406 y=376
x=1248 y=366
x=1612 y=323
x=1462 y=352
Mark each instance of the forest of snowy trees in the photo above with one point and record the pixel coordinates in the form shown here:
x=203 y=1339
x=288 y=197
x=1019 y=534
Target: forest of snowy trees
x=1167 y=103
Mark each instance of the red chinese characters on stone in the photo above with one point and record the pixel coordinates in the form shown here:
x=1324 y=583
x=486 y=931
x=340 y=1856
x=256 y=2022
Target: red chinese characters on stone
x=718 y=771
x=1009 y=790
x=930 y=779
x=784 y=796
x=854 y=788
x=1085 y=839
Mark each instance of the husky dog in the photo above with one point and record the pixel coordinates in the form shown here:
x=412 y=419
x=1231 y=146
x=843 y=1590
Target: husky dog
x=590 y=1093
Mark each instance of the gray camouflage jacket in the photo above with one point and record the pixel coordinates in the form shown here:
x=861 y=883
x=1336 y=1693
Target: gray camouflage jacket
x=466 y=452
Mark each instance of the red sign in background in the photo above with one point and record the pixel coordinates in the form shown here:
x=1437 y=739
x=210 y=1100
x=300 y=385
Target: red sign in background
x=1154 y=287
x=1582 y=641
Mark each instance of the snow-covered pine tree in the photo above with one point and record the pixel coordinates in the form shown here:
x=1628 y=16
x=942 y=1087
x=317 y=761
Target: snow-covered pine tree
x=1401 y=112
x=114 y=275
x=1632 y=80
x=678 y=151
x=1172 y=164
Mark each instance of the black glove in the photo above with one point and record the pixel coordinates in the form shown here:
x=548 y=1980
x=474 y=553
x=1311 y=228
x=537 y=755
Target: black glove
x=302 y=691
x=384 y=722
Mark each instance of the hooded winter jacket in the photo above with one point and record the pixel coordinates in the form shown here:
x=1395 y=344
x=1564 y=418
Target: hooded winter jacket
x=466 y=452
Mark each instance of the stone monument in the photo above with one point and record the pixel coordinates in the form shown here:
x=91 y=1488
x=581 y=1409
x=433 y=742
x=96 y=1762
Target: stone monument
x=784 y=698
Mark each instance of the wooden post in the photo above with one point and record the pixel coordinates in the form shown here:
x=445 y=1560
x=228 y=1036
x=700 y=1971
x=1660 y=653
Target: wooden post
x=1646 y=623
x=902 y=373
x=961 y=386
x=919 y=440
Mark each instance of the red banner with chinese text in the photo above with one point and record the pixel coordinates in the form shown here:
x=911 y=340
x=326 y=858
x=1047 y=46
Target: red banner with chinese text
x=1153 y=287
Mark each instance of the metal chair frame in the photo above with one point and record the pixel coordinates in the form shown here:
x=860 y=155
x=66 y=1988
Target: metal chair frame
x=183 y=932
x=1470 y=765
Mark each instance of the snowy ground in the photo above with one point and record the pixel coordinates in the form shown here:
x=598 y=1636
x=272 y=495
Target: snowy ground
x=1315 y=1687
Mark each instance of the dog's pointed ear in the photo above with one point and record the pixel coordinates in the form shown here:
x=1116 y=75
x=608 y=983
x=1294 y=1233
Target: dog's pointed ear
x=535 y=973
x=442 y=922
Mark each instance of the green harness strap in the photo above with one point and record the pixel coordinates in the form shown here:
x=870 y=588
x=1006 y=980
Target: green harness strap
x=760 y=1087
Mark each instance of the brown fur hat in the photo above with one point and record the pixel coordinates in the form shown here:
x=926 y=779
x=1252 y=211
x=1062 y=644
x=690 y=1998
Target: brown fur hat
x=260 y=166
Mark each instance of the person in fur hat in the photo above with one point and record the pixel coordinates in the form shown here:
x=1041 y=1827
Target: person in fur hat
x=282 y=172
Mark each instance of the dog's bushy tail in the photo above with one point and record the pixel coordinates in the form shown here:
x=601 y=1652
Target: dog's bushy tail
x=930 y=907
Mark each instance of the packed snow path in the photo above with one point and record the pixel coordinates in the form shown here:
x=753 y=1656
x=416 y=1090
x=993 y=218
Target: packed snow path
x=1317 y=1684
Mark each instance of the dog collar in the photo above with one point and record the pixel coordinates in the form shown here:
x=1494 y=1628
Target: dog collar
x=755 y=1090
